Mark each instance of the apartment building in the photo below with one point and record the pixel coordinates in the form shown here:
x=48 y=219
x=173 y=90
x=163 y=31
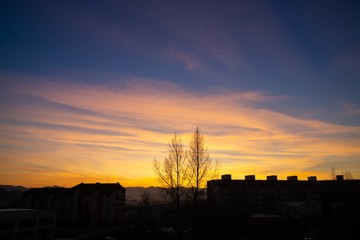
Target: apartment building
x=19 y=224
x=86 y=204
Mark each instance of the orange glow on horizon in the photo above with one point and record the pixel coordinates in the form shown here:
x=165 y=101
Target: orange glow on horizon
x=84 y=133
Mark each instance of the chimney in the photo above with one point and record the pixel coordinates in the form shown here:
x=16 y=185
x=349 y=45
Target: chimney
x=250 y=177
x=339 y=177
x=292 y=178
x=312 y=179
x=226 y=177
x=271 y=178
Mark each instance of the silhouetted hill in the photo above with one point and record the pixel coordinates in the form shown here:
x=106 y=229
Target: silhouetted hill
x=134 y=193
x=55 y=186
x=10 y=196
x=11 y=188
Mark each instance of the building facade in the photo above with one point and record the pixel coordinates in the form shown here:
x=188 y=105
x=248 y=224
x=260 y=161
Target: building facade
x=266 y=196
x=86 y=204
x=98 y=204
x=233 y=202
x=19 y=224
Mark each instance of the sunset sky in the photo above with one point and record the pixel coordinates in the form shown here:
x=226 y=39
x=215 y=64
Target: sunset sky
x=93 y=91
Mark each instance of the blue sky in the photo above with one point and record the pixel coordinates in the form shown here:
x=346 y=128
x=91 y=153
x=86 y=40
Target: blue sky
x=296 y=59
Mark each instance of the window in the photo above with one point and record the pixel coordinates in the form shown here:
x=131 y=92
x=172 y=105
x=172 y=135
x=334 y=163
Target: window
x=25 y=235
x=7 y=224
x=27 y=222
x=46 y=221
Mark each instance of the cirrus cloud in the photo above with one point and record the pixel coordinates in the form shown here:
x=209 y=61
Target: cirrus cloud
x=93 y=130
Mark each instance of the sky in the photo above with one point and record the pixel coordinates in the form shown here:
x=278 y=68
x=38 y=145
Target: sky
x=93 y=91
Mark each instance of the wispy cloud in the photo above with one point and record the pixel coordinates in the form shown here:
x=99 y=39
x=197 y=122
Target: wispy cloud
x=188 y=59
x=116 y=132
x=348 y=59
x=350 y=109
x=226 y=34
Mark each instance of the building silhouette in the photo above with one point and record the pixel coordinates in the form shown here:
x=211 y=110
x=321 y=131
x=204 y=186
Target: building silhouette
x=86 y=204
x=17 y=224
x=289 y=204
x=98 y=204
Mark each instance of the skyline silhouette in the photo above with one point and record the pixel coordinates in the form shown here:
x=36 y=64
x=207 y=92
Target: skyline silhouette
x=247 y=209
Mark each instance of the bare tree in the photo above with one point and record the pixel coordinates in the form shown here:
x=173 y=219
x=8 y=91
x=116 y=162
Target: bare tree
x=348 y=176
x=145 y=199
x=333 y=173
x=173 y=173
x=201 y=167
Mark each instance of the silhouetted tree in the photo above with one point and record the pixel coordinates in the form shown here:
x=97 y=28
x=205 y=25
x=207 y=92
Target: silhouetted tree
x=173 y=173
x=333 y=173
x=348 y=176
x=145 y=199
x=202 y=168
x=144 y=211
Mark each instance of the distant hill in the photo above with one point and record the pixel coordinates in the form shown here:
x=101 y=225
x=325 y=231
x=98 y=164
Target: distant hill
x=11 y=188
x=55 y=186
x=134 y=193
x=10 y=196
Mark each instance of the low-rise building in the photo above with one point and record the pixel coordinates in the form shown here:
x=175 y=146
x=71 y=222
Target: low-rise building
x=86 y=204
x=98 y=204
x=18 y=224
x=231 y=202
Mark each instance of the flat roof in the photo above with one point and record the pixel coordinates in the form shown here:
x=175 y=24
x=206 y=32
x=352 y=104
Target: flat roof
x=15 y=209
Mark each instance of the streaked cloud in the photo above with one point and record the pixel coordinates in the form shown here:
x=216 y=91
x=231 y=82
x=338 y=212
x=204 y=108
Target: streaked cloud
x=350 y=109
x=348 y=59
x=188 y=59
x=62 y=133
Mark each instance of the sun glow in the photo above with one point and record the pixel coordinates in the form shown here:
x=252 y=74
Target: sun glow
x=66 y=133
